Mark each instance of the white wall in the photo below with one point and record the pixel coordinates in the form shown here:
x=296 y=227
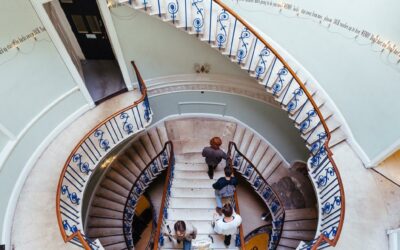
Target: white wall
x=361 y=82
x=37 y=94
x=159 y=49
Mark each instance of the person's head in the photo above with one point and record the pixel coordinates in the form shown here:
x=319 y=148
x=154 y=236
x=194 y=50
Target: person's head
x=227 y=210
x=215 y=142
x=180 y=228
x=227 y=171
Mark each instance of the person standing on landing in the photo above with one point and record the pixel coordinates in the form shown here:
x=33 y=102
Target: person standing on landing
x=225 y=187
x=214 y=155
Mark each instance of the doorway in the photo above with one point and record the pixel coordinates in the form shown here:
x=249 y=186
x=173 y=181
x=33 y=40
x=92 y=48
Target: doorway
x=80 y=26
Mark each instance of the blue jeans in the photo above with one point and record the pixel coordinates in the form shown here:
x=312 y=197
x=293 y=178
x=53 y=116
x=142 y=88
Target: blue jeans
x=218 y=198
x=187 y=245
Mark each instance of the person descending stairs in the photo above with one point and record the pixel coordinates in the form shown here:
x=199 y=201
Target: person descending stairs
x=192 y=200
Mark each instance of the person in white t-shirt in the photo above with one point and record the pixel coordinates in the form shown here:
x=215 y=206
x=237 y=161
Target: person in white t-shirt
x=227 y=224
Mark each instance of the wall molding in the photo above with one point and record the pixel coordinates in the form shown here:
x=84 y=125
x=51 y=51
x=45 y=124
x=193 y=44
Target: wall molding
x=242 y=86
x=384 y=154
x=12 y=203
x=223 y=118
x=7 y=150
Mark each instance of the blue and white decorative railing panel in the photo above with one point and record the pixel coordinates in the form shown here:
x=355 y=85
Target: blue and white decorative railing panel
x=164 y=215
x=87 y=155
x=248 y=171
x=147 y=176
x=326 y=183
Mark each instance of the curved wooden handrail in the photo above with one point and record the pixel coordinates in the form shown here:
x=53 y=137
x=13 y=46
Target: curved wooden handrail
x=143 y=90
x=164 y=196
x=168 y=143
x=241 y=231
x=287 y=66
x=315 y=106
x=255 y=169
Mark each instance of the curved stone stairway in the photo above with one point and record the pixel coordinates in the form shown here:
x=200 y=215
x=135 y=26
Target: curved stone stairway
x=193 y=200
x=105 y=220
x=192 y=188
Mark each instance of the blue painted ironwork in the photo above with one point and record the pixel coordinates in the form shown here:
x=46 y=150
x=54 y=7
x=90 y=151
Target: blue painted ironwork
x=173 y=8
x=323 y=179
x=198 y=20
x=73 y=197
x=83 y=166
x=127 y=126
x=103 y=143
x=292 y=105
x=329 y=206
x=222 y=34
x=68 y=227
x=262 y=63
x=278 y=85
x=306 y=123
x=244 y=45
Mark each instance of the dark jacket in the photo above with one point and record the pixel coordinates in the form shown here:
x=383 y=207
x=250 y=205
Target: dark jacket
x=223 y=182
x=213 y=156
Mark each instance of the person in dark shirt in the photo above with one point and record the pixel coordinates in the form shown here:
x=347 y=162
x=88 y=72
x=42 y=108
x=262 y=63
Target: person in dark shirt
x=224 y=187
x=213 y=155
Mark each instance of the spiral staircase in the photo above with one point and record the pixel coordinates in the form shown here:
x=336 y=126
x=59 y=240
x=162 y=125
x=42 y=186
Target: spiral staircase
x=213 y=22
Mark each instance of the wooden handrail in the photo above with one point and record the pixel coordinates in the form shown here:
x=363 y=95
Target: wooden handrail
x=254 y=168
x=316 y=108
x=164 y=196
x=60 y=181
x=287 y=66
x=241 y=231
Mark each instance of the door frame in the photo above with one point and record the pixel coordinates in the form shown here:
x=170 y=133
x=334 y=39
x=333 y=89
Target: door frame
x=38 y=5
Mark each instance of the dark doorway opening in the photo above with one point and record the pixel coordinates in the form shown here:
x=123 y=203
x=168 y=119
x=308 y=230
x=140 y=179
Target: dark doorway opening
x=81 y=28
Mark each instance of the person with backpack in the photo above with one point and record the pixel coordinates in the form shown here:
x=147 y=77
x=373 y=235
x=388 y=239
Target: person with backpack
x=227 y=224
x=214 y=155
x=224 y=187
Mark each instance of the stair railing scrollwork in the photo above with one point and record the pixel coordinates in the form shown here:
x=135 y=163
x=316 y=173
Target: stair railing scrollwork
x=163 y=214
x=87 y=155
x=162 y=161
x=245 y=167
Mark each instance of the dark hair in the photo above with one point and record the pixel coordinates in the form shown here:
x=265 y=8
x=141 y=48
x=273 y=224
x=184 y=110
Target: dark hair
x=227 y=210
x=180 y=226
x=228 y=171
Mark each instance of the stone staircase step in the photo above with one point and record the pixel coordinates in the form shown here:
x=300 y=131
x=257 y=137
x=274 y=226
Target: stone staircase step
x=193 y=183
x=301 y=214
x=103 y=212
x=201 y=174
x=95 y=222
x=218 y=242
x=192 y=202
x=192 y=193
x=299 y=235
x=190 y=214
x=104 y=231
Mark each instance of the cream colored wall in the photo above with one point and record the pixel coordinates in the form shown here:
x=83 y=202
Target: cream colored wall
x=391 y=167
